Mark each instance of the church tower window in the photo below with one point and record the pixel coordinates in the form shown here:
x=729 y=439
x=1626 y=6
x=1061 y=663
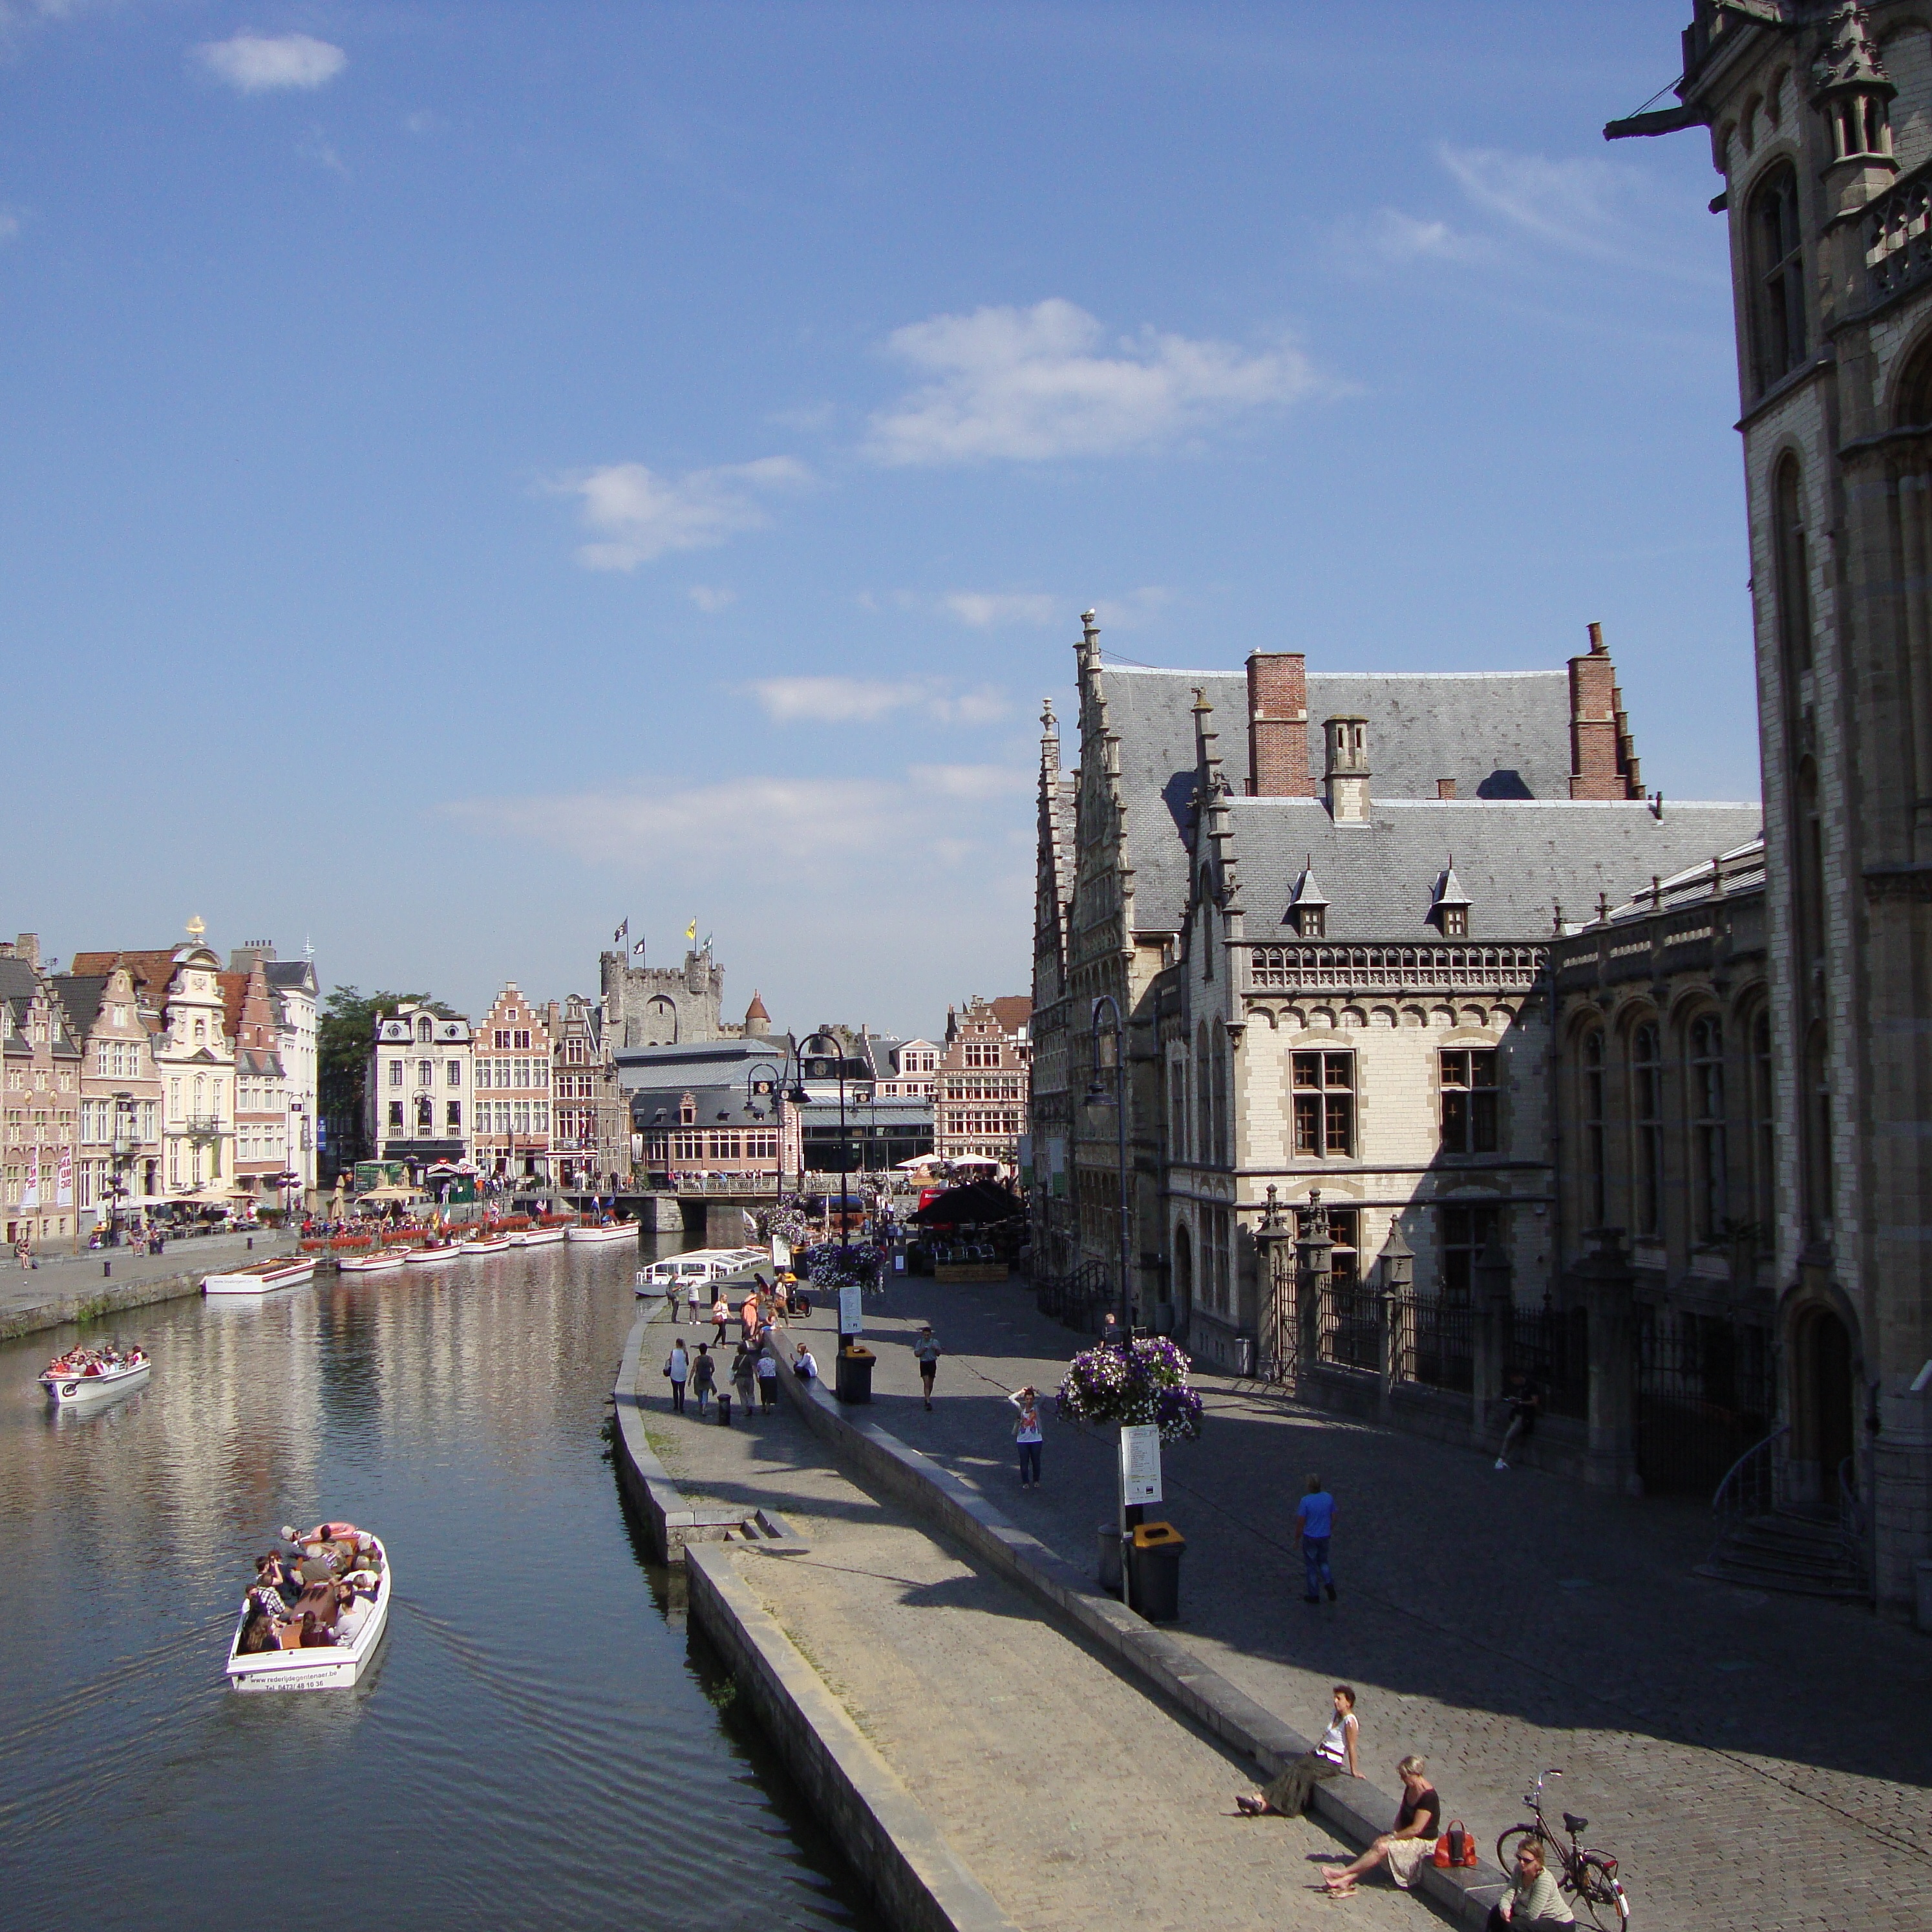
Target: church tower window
x=1777 y=267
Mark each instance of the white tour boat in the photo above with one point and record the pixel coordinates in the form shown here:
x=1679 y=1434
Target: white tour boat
x=327 y=1668
x=377 y=1261
x=609 y=1231
x=261 y=1277
x=699 y=1264
x=537 y=1237
x=437 y=1257
x=484 y=1244
x=85 y=1375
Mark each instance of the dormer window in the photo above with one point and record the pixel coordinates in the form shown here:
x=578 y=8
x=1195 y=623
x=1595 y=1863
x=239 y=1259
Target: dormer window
x=687 y=1112
x=1455 y=922
x=1450 y=912
x=1311 y=922
x=1309 y=911
x=423 y=1029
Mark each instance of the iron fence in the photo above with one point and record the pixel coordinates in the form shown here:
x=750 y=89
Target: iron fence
x=1435 y=1341
x=1079 y=1298
x=1703 y=1396
x=1348 y=1332
x=1551 y=1346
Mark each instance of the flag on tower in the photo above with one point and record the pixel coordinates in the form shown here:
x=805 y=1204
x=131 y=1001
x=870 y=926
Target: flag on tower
x=691 y=930
x=618 y=937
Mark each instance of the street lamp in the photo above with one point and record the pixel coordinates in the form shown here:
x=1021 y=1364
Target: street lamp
x=799 y=1096
x=1098 y=1096
x=763 y=1096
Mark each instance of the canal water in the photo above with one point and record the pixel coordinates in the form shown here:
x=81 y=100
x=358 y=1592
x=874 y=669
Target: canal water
x=536 y=1743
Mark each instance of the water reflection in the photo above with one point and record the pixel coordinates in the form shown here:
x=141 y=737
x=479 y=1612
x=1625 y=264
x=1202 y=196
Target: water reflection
x=533 y=1744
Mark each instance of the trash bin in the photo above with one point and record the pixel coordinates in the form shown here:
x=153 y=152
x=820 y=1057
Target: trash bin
x=1154 y=1560
x=1110 y=1559
x=853 y=1382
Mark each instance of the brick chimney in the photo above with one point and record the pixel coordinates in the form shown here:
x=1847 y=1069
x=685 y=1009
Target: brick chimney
x=1278 y=725
x=1345 y=769
x=1603 y=756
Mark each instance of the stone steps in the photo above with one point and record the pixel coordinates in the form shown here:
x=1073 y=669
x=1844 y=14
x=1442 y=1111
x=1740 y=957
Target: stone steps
x=1798 y=1555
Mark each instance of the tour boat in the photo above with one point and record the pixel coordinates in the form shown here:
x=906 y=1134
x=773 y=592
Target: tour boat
x=610 y=1230
x=704 y=1265
x=484 y=1244
x=84 y=1375
x=379 y=1261
x=326 y=1668
x=261 y=1277
x=537 y=1237
x=436 y=1257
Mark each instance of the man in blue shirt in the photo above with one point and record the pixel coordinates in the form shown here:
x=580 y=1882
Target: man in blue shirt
x=1314 y=1523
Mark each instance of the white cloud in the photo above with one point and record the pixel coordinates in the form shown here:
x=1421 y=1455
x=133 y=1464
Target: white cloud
x=1131 y=612
x=975 y=782
x=1391 y=236
x=1032 y=385
x=256 y=64
x=712 y=597
x=642 y=515
x=852 y=700
x=1579 y=204
x=984 y=609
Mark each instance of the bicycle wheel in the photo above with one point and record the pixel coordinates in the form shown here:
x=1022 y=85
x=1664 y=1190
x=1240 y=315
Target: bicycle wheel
x=1599 y=1894
x=1506 y=1845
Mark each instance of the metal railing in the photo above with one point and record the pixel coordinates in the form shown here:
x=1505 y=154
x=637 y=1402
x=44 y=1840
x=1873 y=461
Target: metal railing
x=1348 y=1328
x=1551 y=1346
x=1435 y=1341
x=1079 y=1298
x=1754 y=1484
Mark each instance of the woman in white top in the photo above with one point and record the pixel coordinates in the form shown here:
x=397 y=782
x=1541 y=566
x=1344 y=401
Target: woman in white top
x=678 y=1367
x=1289 y=1794
x=1027 y=1433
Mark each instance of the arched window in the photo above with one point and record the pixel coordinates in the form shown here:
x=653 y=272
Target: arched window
x=1203 y=1098
x=423 y=1028
x=1810 y=832
x=1763 y=1171
x=1913 y=408
x=1222 y=1055
x=1177 y=1078
x=1590 y=1097
x=1207 y=909
x=1647 y=1124
x=1817 y=1135
x=1794 y=575
x=1705 y=1064
x=1778 y=278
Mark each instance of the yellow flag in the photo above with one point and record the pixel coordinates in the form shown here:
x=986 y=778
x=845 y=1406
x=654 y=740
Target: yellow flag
x=691 y=930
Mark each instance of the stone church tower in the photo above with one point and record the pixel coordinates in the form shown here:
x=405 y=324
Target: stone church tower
x=1819 y=115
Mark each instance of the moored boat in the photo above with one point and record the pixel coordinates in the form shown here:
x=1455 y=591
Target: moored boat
x=324 y=1667
x=604 y=1232
x=438 y=1256
x=537 y=1237
x=484 y=1244
x=378 y=1261
x=261 y=1277
x=85 y=1375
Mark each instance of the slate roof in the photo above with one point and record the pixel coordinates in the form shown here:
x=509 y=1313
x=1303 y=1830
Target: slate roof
x=1500 y=735
x=292 y=975
x=716 y=1107
x=79 y=994
x=1515 y=860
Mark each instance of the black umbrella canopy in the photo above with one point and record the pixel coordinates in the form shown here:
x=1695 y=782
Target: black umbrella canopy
x=978 y=1200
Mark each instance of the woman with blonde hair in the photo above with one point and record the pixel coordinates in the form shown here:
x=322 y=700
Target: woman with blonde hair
x=1403 y=1849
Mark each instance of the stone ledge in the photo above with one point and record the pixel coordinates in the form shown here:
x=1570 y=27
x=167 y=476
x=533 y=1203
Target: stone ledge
x=918 y=1880
x=1352 y=1806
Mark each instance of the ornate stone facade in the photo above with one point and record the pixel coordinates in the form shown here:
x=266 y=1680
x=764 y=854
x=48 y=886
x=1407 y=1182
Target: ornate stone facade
x=1820 y=121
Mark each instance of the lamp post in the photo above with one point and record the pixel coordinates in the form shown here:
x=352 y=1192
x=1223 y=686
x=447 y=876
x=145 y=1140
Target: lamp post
x=800 y=1096
x=762 y=1096
x=1097 y=1095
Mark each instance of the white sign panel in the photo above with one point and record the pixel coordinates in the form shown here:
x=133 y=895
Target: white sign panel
x=780 y=1251
x=63 y=1186
x=30 y=1194
x=1140 y=1463
x=851 y=1309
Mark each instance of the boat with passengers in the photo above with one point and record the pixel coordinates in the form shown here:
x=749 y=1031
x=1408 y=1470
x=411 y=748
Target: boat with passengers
x=86 y=1375
x=316 y=1612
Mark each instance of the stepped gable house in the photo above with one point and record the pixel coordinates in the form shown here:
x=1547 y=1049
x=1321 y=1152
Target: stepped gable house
x=1324 y=902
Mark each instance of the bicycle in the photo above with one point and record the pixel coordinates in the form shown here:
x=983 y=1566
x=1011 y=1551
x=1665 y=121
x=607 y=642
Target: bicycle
x=1589 y=1879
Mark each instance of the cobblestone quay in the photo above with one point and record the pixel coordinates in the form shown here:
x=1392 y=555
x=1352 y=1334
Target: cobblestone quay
x=1755 y=1761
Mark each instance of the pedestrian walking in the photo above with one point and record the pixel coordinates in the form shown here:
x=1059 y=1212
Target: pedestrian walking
x=1027 y=1433
x=768 y=1376
x=677 y=1366
x=703 y=1376
x=742 y=1375
x=694 y=1297
x=928 y=1350
x=1526 y=1404
x=1288 y=1796
x=672 y=1292
x=720 y=1314
x=1314 y=1525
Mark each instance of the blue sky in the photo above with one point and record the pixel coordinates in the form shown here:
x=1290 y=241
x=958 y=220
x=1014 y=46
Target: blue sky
x=472 y=473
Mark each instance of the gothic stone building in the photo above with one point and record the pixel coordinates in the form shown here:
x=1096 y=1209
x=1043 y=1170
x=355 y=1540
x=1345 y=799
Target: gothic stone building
x=664 y=1005
x=1820 y=122
x=1330 y=947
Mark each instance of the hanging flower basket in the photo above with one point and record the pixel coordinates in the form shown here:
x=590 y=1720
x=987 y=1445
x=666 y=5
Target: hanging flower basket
x=833 y=1268
x=1145 y=1383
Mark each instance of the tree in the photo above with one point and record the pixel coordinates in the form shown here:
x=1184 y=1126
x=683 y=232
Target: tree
x=344 y=1035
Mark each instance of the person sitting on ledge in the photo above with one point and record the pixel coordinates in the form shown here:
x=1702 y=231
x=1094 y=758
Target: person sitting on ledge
x=1532 y=1899
x=1288 y=1796
x=1403 y=1849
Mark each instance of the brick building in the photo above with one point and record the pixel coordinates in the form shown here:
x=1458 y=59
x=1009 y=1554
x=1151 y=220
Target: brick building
x=590 y=1127
x=121 y=1165
x=262 y=1111
x=513 y=1091
x=39 y=1089
x=981 y=1078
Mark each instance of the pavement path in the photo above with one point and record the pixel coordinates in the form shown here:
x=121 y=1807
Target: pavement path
x=62 y=1277
x=1077 y=1800
x=1755 y=1760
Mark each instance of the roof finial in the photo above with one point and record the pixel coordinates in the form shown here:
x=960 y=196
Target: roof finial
x=196 y=928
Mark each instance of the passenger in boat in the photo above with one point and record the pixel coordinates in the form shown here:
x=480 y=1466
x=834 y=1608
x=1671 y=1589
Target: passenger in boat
x=272 y=1579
